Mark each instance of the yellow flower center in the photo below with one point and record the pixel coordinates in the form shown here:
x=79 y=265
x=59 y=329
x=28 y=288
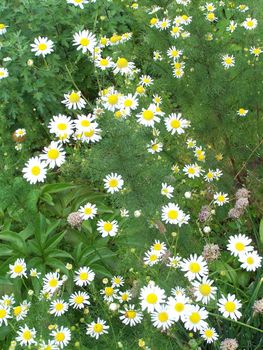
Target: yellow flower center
x=103 y=41
x=211 y=16
x=155 y=147
x=117 y=280
x=84 y=42
x=157 y=246
x=35 y=170
x=83 y=276
x=179 y=307
x=124 y=297
x=104 y=62
x=205 y=289
x=228 y=60
x=151 y=298
x=128 y=103
x=250 y=23
x=113 y=99
x=153 y=257
x=195 y=317
x=240 y=246
x=230 y=306
x=42 y=47
x=88 y=211
x=153 y=21
x=74 y=97
x=85 y=123
x=191 y=171
x=62 y=126
x=209 y=333
x=53 y=282
x=27 y=335
x=59 y=306
x=113 y=183
x=194 y=267
x=79 y=299
x=163 y=316
x=140 y=89
x=221 y=198
x=147 y=115
x=53 y=153
x=3 y=313
x=131 y=314
x=108 y=226
x=122 y=63
x=172 y=214
x=2 y=26
x=109 y=291
x=18 y=268
x=175 y=123
x=98 y=328
x=17 y=310
x=89 y=133
x=60 y=337
x=2 y=73
x=250 y=260
x=175 y=29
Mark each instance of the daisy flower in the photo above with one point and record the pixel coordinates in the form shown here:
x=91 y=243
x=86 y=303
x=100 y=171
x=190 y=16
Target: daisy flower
x=4 y=314
x=129 y=102
x=61 y=126
x=62 y=336
x=117 y=281
x=250 y=23
x=155 y=146
x=58 y=307
x=161 y=318
x=175 y=124
x=20 y=133
x=104 y=63
x=178 y=291
x=167 y=190
x=78 y=300
x=20 y=311
x=209 y=176
x=111 y=100
x=178 y=306
x=211 y=17
x=78 y=3
x=176 y=31
x=7 y=300
x=239 y=244
x=243 y=8
x=164 y=24
x=3 y=73
x=242 y=112
x=107 y=228
x=172 y=214
x=84 y=276
x=54 y=155
x=221 y=198
x=42 y=46
x=18 y=269
x=210 y=7
x=73 y=100
x=109 y=293
x=3 y=28
x=173 y=53
x=190 y=143
x=151 y=297
x=256 y=51
x=250 y=260
x=96 y=328
x=174 y=261
x=194 y=318
x=124 y=297
x=159 y=247
x=84 y=122
x=35 y=273
x=195 y=267
x=148 y=117
x=88 y=211
x=151 y=257
x=209 y=334
x=25 y=336
x=85 y=41
x=50 y=345
x=229 y=306
x=228 y=61
x=157 y=56
x=123 y=66
x=231 y=27
x=93 y=134
x=35 y=170
x=203 y=290
x=178 y=73
x=192 y=170
x=130 y=316
x=51 y=282
x=146 y=80
x=113 y=183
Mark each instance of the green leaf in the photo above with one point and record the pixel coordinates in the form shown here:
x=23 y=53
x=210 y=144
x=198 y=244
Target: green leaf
x=55 y=188
x=261 y=231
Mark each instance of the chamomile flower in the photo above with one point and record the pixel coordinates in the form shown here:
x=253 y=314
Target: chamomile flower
x=62 y=336
x=192 y=170
x=7 y=300
x=162 y=318
x=117 y=281
x=177 y=291
x=85 y=41
x=175 y=124
x=19 y=133
x=50 y=345
x=151 y=257
x=242 y=112
x=51 y=282
x=176 y=31
x=124 y=297
x=3 y=28
x=78 y=3
x=104 y=63
x=194 y=318
x=228 y=61
x=54 y=155
x=26 y=336
x=73 y=100
x=239 y=244
x=79 y=299
x=243 y=8
x=113 y=183
x=209 y=176
x=186 y=19
x=190 y=143
x=129 y=102
x=61 y=126
x=84 y=276
x=256 y=51
x=178 y=73
x=211 y=17
x=178 y=306
x=231 y=27
x=3 y=73
x=123 y=66
x=194 y=267
x=4 y=314
x=250 y=23
x=210 y=7
x=88 y=211
x=96 y=328
x=107 y=228
x=157 y=55
x=250 y=261
x=84 y=122
x=146 y=80
x=155 y=146
x=130 y=316
x=148 y=117
x=203 y=290
x=174 y=53
x=42 y=46
x=164 y=24
x=35 y=273
x=111 y=100
x=58 y=307
x=109 y=293
x=93 y=134
x=174 y=261
x=34 y=170
x=159 y=247
x=18 y=269
x=221 y=198
x=20 y=311
x=167 y=190
x=151 y=297
x=229 y=307
x=209 y=334
x=172 y=214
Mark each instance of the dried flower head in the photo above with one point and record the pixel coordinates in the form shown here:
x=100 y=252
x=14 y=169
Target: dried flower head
x=229 y=344
x=211 y=252
x=235 y=213
x=74 y=219
x=242 y=193
x=204 y=214
x=258 y=306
